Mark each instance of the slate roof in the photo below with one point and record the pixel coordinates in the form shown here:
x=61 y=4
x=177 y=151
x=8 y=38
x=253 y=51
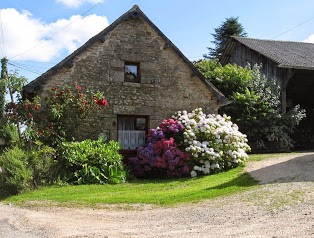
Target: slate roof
x=134 y=13
x=287 y=54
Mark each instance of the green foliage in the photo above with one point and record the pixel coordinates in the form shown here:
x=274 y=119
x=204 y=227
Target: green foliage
x=272 y=124
x=91 y=162
x=26 y=166
x=11 y=84
x=9 y=132
x=159 y=192
x=15 y=176
x=229 y=79
x=230 y=27
x=256 y=102
x=54 y=118
x=41 y=160
x=15 y=82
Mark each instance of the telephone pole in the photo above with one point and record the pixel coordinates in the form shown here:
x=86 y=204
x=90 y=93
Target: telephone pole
x=4 y=76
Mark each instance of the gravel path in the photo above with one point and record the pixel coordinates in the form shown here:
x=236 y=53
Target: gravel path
x=283 y=206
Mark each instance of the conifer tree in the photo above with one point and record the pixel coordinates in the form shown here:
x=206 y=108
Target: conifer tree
x=230 y=27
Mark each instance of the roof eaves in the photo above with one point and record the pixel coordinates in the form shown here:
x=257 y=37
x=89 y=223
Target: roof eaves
x=295 y=67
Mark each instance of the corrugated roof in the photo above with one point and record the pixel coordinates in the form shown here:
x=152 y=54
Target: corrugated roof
x=287 y=54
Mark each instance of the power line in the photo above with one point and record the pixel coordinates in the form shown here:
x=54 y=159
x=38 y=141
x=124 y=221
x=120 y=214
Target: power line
x=37 y=62
x=3 y=50
x=21 y=67
x=25 y=68
x=42 y=41
x=293 y=28
x=30 y=66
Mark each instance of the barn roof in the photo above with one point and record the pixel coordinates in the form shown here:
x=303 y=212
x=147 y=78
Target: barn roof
x=287 y=54
x=134 y=13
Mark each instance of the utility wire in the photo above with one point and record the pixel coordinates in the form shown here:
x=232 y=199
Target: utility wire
x=3 y=50
x=37 y=62
x=30 y=66
x=24 y=68
x=292 y=28
x=42 y=41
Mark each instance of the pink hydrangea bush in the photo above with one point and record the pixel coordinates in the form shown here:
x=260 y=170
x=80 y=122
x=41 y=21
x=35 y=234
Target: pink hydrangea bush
x=191 y=144
x=160 y=156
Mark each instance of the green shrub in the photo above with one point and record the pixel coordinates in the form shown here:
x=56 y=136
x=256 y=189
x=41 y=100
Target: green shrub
x=91 y=162
x=9 y=133
x=41 y=161
x=256 y=103
x=15 y=176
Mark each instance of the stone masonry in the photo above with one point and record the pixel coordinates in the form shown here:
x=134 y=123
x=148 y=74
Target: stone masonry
x=167 y=82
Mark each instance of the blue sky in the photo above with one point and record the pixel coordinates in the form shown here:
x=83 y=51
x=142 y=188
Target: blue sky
x=188 y=24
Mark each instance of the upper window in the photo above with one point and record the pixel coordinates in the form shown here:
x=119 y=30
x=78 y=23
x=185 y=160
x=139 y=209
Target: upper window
x=132 y=72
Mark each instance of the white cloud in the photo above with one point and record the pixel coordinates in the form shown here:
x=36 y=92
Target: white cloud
x=22 y=32
x=310 y=39
x=77 y=3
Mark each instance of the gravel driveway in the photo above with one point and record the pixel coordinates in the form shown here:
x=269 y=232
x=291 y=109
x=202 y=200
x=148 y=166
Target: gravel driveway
x=283 y=206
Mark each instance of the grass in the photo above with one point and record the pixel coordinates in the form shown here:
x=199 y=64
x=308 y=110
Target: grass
x=161 y=192
x=156 y=192
x=259 y=157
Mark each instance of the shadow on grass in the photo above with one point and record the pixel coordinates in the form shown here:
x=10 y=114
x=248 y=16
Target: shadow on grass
x=297 y=169
x=4 y=195
x=243 y=180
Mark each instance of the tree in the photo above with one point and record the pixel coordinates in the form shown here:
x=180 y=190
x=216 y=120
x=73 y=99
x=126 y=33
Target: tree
x=230 y=27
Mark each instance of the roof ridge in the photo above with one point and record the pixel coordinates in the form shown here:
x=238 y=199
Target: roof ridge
x=135 y=7
x=291 y=54
x=269 y=40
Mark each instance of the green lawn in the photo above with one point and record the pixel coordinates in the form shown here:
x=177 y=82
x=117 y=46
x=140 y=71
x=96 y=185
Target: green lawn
x=259 y=157
x=158 y=192
x=161 y=192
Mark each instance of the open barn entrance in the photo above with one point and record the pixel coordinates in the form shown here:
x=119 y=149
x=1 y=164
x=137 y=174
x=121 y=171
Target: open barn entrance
x=300 y=90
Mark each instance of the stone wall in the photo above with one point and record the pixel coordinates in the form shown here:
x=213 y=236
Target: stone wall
x=166 y=83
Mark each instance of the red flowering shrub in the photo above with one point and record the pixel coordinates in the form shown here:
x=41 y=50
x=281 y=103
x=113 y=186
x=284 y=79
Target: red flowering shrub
x=63 y=108
x=161 y=157
x=23 y=110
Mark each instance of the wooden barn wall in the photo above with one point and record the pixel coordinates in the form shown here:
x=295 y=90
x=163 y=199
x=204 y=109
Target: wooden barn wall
x=243 y=55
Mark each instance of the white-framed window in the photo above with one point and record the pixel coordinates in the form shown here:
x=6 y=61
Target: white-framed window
x=132 y=131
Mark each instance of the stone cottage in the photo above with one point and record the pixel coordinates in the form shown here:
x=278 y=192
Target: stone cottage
x=143 y=75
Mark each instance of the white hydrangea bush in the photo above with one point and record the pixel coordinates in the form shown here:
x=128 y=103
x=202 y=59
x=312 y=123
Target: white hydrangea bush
x=213 y=141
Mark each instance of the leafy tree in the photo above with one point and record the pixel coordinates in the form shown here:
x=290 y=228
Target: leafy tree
x=12 y=84
x=256 y=102
x=230 y=27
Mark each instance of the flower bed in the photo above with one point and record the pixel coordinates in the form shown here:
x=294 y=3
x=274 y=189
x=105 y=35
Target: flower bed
x=190 y=144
